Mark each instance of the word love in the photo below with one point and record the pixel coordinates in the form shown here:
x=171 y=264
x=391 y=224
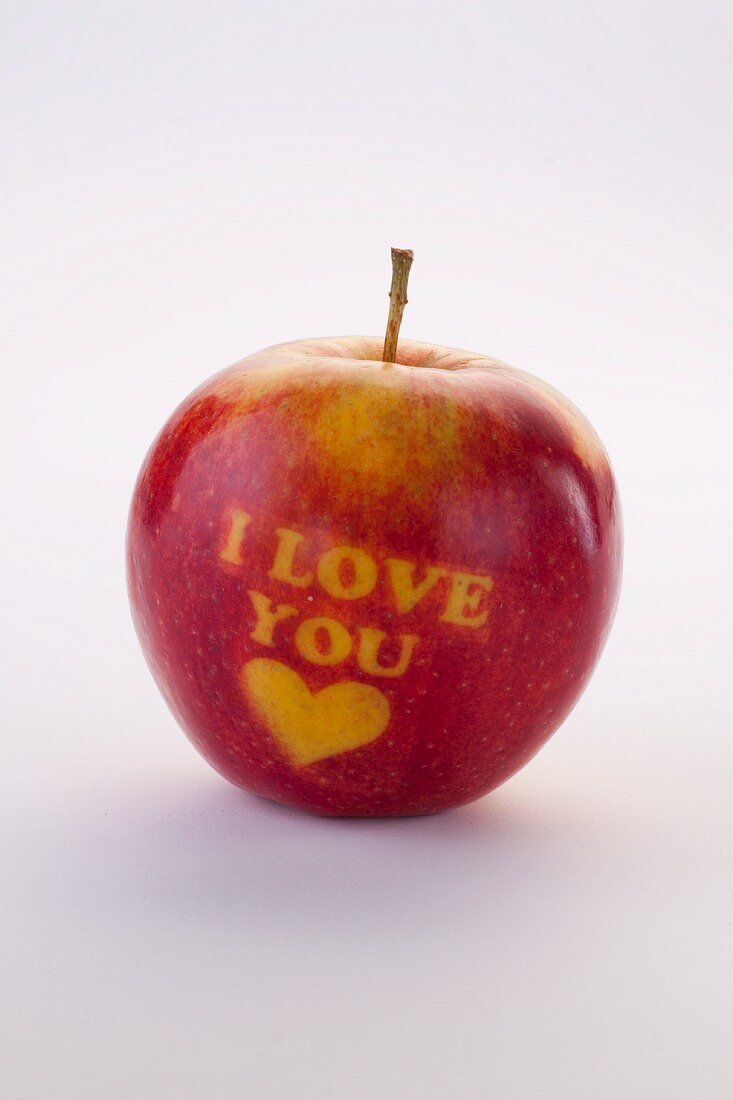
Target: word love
x=350 y=573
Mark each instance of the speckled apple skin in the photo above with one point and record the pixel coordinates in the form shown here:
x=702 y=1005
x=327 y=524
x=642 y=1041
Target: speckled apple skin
x=444 y=459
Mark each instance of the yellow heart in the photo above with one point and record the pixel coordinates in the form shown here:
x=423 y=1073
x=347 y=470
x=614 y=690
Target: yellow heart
x=313 y=726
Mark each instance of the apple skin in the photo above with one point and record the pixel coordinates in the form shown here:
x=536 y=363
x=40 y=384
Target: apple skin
x=447 y=460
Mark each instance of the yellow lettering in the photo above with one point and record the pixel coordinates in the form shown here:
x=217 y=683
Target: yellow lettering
x=339 y=641
x=267 y=619
x=407 y=594
x=232 y=551
x=282 y=567
x=363 y=573
x=370 y=641
x=465 y=597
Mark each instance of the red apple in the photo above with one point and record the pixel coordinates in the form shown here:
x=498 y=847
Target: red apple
x=370 y=588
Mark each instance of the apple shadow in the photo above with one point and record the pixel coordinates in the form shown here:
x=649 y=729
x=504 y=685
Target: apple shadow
x=205 y=851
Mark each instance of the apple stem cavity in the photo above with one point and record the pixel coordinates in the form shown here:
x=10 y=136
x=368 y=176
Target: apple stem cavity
x=401 y=263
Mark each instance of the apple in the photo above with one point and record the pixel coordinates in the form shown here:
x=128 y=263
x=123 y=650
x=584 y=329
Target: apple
x=373 y=582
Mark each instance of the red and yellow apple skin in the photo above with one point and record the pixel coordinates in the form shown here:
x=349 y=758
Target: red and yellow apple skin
x=373 y=589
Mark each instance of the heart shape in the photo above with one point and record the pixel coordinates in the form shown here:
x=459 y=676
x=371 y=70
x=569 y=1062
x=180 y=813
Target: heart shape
x=310 y=726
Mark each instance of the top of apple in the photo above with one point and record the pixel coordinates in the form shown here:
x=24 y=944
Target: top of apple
x=367 y=351
x=394 y=370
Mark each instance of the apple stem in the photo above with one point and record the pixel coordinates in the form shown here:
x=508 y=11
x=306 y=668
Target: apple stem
x=401 y=264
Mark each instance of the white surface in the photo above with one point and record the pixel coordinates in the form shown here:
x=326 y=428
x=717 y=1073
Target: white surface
x=184 y=184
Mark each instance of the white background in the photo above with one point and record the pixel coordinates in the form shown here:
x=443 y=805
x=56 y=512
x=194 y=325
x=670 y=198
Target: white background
x=183 y=183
